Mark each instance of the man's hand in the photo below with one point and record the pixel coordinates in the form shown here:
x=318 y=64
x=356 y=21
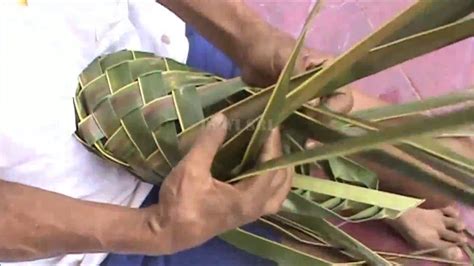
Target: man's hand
x=195 y=207
x=267 y=52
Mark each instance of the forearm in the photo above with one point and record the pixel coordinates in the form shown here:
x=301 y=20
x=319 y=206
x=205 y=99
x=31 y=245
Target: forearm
x=38 y=224
x=229 y=24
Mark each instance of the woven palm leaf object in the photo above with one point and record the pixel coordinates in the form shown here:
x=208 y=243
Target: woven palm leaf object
x=130 y=106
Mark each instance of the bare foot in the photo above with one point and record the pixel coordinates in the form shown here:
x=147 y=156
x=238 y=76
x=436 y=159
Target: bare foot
x=426 y=229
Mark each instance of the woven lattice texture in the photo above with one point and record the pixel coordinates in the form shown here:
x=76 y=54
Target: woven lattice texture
x=130 y=107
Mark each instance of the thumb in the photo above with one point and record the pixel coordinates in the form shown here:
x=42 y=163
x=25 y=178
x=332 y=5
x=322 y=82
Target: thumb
x=208 y=143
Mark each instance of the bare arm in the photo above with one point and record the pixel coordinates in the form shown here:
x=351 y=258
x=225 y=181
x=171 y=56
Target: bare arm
x=36 y=224
x=193 y=208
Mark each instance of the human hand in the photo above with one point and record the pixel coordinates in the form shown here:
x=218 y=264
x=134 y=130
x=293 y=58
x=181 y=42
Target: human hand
x=266 y=55
x=195 y=207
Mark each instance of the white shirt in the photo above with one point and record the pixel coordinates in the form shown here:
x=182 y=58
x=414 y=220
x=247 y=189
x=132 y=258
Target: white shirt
x=43 y=48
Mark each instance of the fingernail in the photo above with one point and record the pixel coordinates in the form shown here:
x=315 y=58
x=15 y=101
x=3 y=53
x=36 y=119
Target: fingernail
x=458 y=254
x=217 y=121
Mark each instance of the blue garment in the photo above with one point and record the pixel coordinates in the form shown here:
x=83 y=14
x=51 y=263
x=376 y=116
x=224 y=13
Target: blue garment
x=216 y=252
x=204 y=56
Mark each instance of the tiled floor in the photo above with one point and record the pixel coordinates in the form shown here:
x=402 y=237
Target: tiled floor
x=340 y=24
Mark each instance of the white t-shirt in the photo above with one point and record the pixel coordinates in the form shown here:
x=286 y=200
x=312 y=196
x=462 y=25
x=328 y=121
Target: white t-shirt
x=43 y=48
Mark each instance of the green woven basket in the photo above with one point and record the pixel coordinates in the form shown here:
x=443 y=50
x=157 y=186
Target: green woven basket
x=130 y=106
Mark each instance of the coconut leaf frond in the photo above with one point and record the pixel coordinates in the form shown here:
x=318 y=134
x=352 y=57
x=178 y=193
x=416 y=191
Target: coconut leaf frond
x=414 y=108
x=144 y=112
x=393 y=204
x=338 y=238
x=371 y=140
x=423 y=143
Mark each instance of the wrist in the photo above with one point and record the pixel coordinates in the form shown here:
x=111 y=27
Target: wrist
x=132 y=231
x=157 y=231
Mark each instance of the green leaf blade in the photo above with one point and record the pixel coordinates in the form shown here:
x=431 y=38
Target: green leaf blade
x=373 y=197
x=277 y=99
x=416 y=107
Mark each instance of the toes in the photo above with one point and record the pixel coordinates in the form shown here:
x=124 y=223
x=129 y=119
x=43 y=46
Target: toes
x=452 y=236
x=453 y=253
x=454 y=224
x=450 y=211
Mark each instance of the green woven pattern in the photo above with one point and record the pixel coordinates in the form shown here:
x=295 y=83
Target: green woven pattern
x=131 y=105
